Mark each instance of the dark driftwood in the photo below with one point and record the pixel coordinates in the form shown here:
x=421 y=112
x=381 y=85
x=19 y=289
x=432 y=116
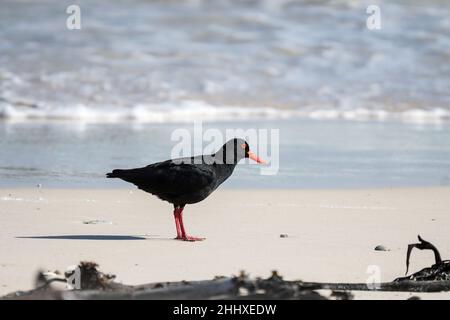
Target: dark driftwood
x=400 y=286
x=98 y=285
x=423 y=245
x=240 y=287
x=179 y=290
x=230 y=288
x=438 y=272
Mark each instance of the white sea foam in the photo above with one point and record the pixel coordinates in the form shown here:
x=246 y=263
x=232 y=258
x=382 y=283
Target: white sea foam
x=148 y=60
x=188 y=111
x=180 y=112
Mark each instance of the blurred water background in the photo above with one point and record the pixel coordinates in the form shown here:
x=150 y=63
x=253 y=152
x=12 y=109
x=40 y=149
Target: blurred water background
x=312 y=153
x=354 y=107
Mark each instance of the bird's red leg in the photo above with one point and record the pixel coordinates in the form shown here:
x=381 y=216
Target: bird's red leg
x=176 y=214
x=184 y=234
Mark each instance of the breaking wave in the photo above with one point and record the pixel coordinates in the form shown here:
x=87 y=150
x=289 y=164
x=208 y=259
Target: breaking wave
x=189 y=111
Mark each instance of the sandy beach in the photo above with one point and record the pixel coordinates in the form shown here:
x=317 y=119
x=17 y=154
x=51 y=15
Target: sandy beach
x=332 y=117
x=331 y=234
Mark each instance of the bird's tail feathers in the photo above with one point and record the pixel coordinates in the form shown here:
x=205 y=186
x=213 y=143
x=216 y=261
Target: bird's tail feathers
x=114 y=174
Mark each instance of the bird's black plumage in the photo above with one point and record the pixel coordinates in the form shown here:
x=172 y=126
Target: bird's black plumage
x=186 y=180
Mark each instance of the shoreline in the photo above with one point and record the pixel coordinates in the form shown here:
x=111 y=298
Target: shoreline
x=4 y=190
x=331 y=234
x=333 y=154
x=224 y=114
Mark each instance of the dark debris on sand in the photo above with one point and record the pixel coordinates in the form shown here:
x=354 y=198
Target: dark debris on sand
x=95 y=284
x=439 y=271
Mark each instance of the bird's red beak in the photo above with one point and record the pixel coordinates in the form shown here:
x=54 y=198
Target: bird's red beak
x=254 y=157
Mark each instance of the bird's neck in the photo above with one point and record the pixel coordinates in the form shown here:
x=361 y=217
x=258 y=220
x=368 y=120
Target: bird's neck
x=224 y=171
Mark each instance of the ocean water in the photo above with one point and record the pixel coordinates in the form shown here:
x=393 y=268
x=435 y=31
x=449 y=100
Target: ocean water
x=354 y=107
x=178 y=60
x=312 y=153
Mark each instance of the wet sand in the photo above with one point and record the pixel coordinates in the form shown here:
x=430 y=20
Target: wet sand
x=331 y=234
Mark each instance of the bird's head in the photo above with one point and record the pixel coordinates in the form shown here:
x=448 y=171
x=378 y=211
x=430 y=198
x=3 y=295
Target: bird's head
x=237 y=149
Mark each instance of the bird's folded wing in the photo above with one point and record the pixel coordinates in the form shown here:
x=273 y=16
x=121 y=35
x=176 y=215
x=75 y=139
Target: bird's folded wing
x=170 y=177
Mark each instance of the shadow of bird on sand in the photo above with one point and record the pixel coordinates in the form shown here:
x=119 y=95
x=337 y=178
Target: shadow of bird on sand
x=94 y=237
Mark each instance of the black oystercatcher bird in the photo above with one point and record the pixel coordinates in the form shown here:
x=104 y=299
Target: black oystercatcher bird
x=188 y=180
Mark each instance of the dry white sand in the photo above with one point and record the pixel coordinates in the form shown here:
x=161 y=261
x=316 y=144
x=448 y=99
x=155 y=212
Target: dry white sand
x=331 y=234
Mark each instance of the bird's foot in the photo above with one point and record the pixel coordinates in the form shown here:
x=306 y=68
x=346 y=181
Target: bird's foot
x=191 y=238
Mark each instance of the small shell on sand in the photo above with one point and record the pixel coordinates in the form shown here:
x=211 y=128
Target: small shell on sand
x=96 y=222
x=381 y=248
